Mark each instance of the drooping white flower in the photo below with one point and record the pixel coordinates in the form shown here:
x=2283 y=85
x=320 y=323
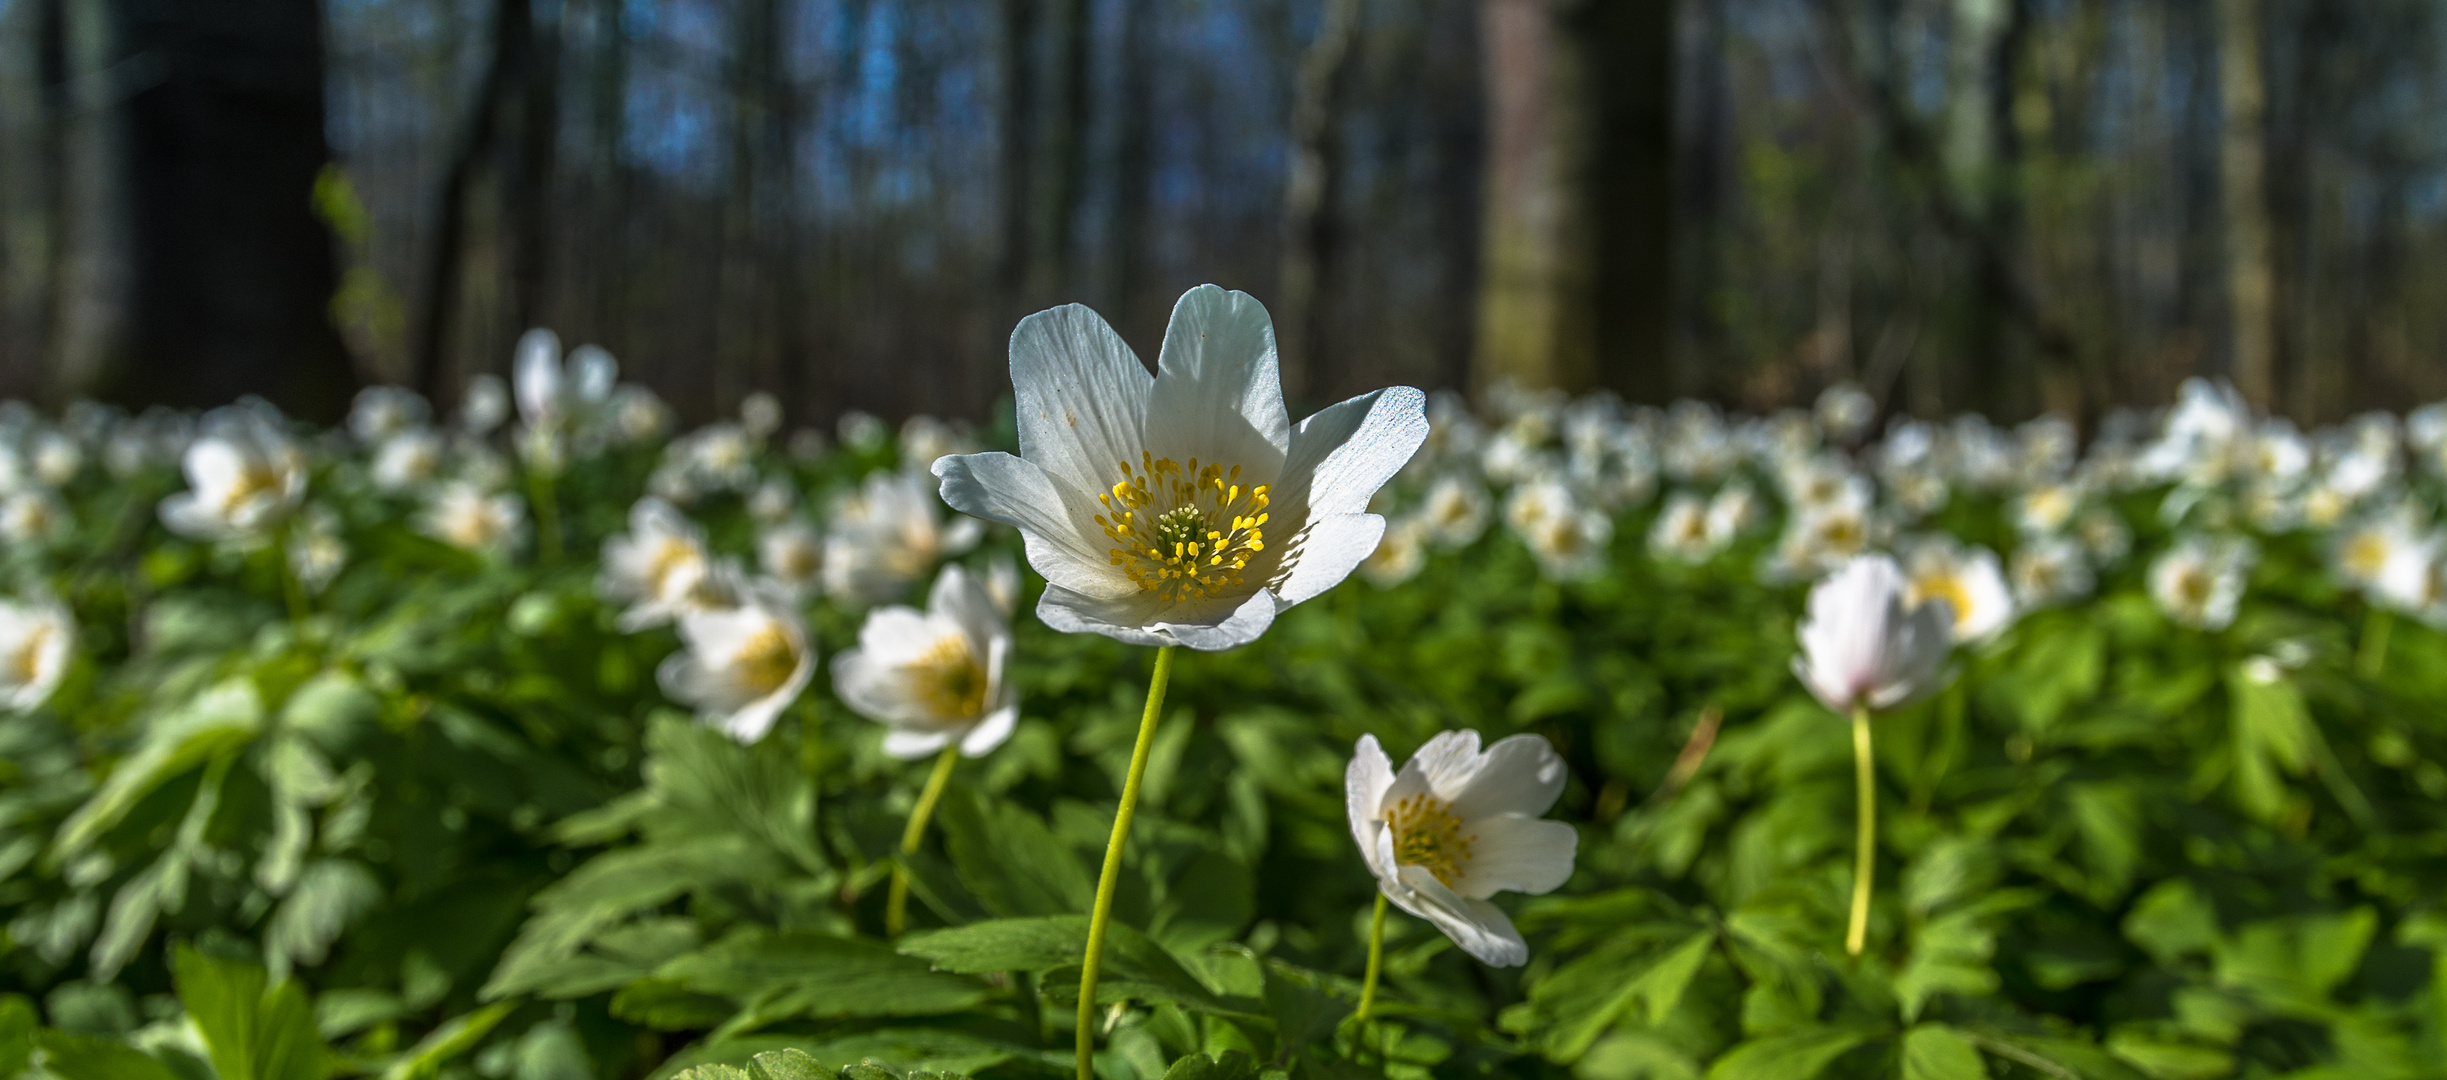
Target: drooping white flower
x=243 y=477
x=742 y=665
x=1968 y=578
x=475 y=519
x=659 y=568
x=1863 y=643
x=1455 y=512
x=888 y=535
x=2199 y=581
x=935 y=677
x=1399 y=556
x=1458 y=825
x=36 y=639
x=1185 y=508
x=792 y=554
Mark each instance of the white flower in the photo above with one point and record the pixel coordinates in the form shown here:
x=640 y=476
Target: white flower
x=717 y=457
x=1731 y=513
x=1681 y=531
x=2046 y=508
x=936 y=677
x=862 y=431
x=474 y=519
x=659 y=567
x=773 y=500
x=1455 y=512
x=761 y=414
x=407 y=460
x=1456 y=826
x=487 y=404
x=924 y=438
x=1536 y=502
x=2413 y=579
x=1003 y=582
x=1820 y=540
x=36 y=638
x=242 y=479
x=1399 y=556
x=2199 y=581
x=791 y=553
x=34 y=517
x=1185 y=508
x=382 y=412
x=1967 y=578
x=637 y=414
x=2105 y=535
x=2363 y=552
x=887 y=536
x=553 y=396
x=317 y=553
x=1845 y=411
x=742 y=665
x=1864 y=644
x=2050 y=570
x=57 y=458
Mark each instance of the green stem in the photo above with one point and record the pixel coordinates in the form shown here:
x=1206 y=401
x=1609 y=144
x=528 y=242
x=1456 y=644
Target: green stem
x=547 y=515
x=1865 y=864
x=1376 y=960
x=1111 y=875
x=2375 y=629
x=291 y=589
x=896 y=904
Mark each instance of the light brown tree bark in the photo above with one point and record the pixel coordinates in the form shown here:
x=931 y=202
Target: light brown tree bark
x=1535 y=324
x=2251 y=273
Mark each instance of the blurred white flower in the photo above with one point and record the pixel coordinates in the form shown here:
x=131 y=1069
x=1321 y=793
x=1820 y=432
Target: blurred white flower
x=1399 y=556
x=381 y=412
x=774 y=499
x=1458 y=825
x=554 y=396
x=924 y=439
x=1455 y=513
x=2199 y=581
x=888 y=535
x=37 y=638
x=2046 y=508
x=1732 y=512
x=1865 y=644
x=1533 y=504
x=1845 y=411
x=1968 y=578
x=2413 y=579
x=56 y=458
x=862 y=432
x=2105 y=536
x=717 y=457
x=316 y=552
x=474 y=519
x=1681 y=533
x=1003 y=582
x=1818 y=541
x=659 y=568
x=935 y=677
x=791 y=553
x=34 y=517
x=637 y=415
x=487 y=404
x=1183 y=509
x=760 y=414
x=407 y=460
x=2362 y=552
x=742 y=665
x=243 y=478
x=808 y=446
x=2050 y=570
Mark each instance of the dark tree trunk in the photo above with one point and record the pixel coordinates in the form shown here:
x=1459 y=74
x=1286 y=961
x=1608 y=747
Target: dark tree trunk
x=506 y=71
x=232 y=274
x=1019 y=130
x=1631 y=68
x=1310 y=194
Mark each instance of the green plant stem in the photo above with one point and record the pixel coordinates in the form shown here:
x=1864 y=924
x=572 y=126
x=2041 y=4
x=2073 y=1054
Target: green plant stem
x=1865 y=863
x=1376 y=961
x=896 y=904
x=2374 y=657
x=1106 y=880
x=291 y=589
x=547 y=515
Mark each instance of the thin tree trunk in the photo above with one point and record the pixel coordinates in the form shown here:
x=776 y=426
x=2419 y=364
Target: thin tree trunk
x=1534 y=322
x=1309 y=194
x=2251 y=275
x=1018 y=146
x=1631 y=56
x=1062 y=167
x=513 y=31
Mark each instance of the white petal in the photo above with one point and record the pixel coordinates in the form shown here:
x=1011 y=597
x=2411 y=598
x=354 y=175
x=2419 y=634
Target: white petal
x=905 y=745
x=535 y=376
x=213 y=466
x=1343 y=454
x=1480 y=928
x=1517 y=775
x=871 y=688
x=990 y=732
x=1052 y=517
x=592 y=371
x=1363 y=787
x=960 y=598
x=1141 y=618
x=1080 y=397
x=1512 y=853
x=1218 y=393
x=1320 y=556
x=897 y=634
x=1447 y=763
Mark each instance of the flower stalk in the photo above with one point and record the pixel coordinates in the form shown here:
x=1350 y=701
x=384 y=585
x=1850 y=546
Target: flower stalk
x=1865 y=862
x=1376 y=961
x=1111 y=875
x=896 y=903
x=2374 y=655
x=547 y=515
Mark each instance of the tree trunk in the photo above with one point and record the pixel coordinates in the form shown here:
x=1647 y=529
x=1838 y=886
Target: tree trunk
x=1534 y=320
x=2251 y=275
x=1018 y=147
x=232 y=274
x=1631 y=64
x=1309 y=194
x=513 y=40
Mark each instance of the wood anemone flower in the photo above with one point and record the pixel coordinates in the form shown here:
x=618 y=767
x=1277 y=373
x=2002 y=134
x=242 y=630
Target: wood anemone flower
x=935 y=677
x=1863 y=645
x=1182 y=508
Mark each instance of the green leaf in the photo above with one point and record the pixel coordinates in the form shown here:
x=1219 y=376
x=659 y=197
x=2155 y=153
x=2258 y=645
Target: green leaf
x=1937 y=1052
x=253 y=1033
x=83 y=1057
x=17 y=1024
x=1233 y=1065
x=330 y=894
x=456 y=1036
x=801 y=973
x=1010 y=860
x=2171 y=921
x=2272 y=733
x=218 y=720
x=1135 y=968
x=1799 y=1055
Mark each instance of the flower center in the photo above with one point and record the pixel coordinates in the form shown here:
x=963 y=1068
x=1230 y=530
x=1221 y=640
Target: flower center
x=26 y=665
x=673 y=571
x=949 y=680
x=2365 y=554
x=1183 y=533
x=1946 y=587
x=765 y=661
x=1427 y=835
x=251 y=481
x=2193 y=586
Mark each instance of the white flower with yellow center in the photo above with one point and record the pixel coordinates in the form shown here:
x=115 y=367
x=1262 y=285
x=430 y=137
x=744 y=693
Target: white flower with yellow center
x=1681 y=531
x=317 y=553
x=1399 y=556
x=1182 y=508
x=935 y=677
x=2050 y=570
x=408 y=460
x=1968 y=578
x=34 y=516
x=36 y=639
x=1866 y=643
x=2199 y=582
x=1570 y=546
x=742 y=665
x=2047 y=508
x=381 y=412
x=2363 y=552
x=243 y=479
x=792 y=554
x=1456 y=826
x=1456 y=510
x=1731 y=513
x=1816 y=542
x=473 y=519
x=887 y=536
x=659 y=568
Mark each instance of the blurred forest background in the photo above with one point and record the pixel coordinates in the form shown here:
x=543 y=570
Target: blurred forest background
x=2001 y=205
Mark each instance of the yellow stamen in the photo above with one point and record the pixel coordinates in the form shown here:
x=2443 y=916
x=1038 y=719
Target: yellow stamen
x=1184 y=533
x=1427 y=835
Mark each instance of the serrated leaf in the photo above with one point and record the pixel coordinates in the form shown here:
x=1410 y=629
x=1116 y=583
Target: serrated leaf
x=446 y=1043
x=217 y=721
x=81 y=1057
x=1134 y=967
x=1798 y=1055
x=329 y=895
x=800 y=973
x=253 y=1032
x=1233 y=1065
x=1937 y=1052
